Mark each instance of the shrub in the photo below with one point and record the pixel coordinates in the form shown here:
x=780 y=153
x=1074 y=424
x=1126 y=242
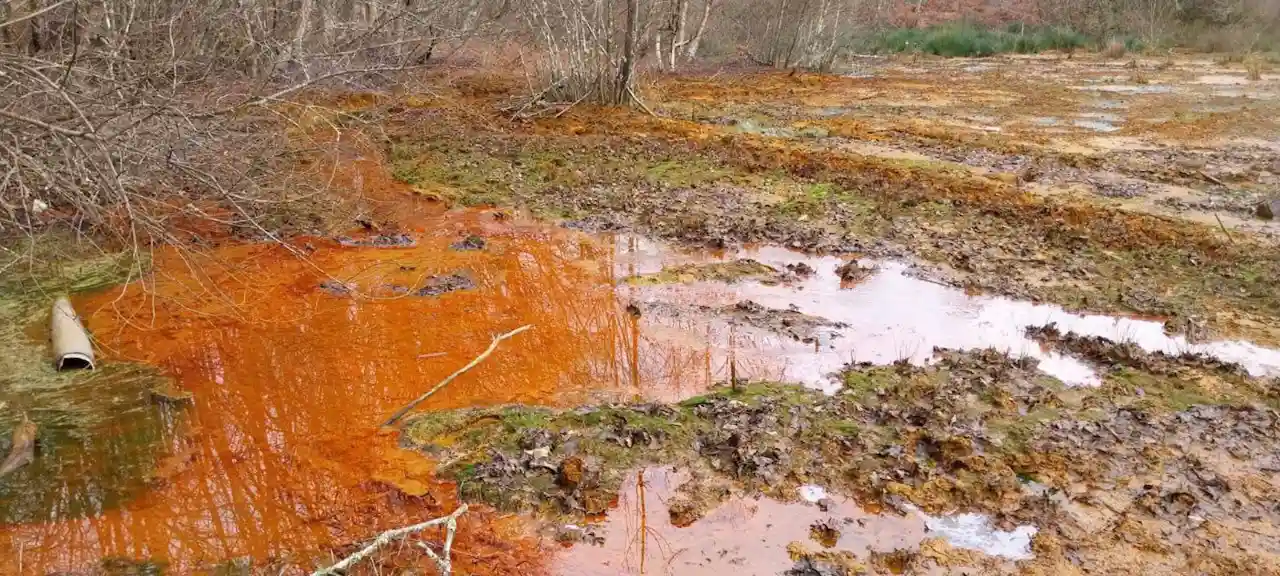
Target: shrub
x=969 y=39
x=1115 y=49
x=1253 y=68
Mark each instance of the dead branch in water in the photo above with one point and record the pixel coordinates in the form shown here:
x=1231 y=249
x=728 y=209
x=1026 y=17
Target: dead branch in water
x=492 y=346
x=450 y=522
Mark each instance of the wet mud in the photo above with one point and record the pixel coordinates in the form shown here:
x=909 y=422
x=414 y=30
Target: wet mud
x=904 y=164
x=935 y=317
x=1008 y=468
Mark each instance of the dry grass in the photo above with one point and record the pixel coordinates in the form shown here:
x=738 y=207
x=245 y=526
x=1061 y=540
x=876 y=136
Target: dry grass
x=1253 y=68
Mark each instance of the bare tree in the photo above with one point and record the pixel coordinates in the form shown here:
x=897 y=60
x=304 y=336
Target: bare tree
x=588 y=50
x=795 y=33
x=119 y=114
x=691 y=51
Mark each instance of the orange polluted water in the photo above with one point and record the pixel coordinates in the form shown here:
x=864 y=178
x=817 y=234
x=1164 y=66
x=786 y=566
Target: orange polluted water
x=281 y=456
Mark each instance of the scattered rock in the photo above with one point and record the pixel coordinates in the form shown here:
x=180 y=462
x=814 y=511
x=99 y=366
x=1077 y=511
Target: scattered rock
x=683 y=510
x=471 y=242
x=574 y=534
x=822 y=562
x=801 y=269
x=571 y=472
x=379 y=241
x=824 y=532
x=852 y=272
x=1267 y=209
x=336 y=288
x=437 y=285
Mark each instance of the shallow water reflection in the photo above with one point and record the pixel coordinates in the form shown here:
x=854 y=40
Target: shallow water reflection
x=293 y=363
x=893 y=316
x=740 y=534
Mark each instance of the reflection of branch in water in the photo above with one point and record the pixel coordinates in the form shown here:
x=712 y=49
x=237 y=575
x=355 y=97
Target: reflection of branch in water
x=733 y=356
x=644 y=516
x=645 y=531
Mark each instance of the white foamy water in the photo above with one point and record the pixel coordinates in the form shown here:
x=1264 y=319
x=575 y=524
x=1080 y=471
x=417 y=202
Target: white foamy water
x=976 y=532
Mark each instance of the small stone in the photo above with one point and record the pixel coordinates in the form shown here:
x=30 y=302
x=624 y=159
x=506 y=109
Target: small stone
x=1267 y=209
x=336 y=288
x=824 y=533
x=682 y=510
x=571 y=472
x=471 y=242
x=437 y=285
x=852 y=271
x=801 y=269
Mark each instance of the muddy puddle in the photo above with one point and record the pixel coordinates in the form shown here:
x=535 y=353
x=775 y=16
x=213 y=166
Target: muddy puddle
x=885 y=314
x=294 y=362
x=760 y=535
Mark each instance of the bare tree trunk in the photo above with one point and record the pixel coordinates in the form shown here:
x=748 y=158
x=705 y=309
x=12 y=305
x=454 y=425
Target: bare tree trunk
x=678 y=39
x=370 y=9
x=657 y=49
x=37 y=31
x=691 y=51
x=302 y=27
x=628 y=67
x=328 y=21
x=6 y=39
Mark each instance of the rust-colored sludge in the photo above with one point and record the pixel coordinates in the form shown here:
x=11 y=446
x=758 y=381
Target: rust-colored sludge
x=294 y=362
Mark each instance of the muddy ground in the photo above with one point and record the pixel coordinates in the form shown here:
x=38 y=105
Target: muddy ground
x=1168 y=467
x=1124 y=187
x=989 y=172
x=1129 y=186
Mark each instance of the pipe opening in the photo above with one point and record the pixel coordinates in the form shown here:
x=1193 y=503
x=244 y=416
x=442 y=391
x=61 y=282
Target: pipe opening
x=74 y=361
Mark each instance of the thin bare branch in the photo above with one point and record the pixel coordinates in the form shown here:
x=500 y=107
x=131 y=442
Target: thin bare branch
x=478 y=359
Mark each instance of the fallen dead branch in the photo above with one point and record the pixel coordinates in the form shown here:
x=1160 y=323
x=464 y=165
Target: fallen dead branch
x=492 y=346
x=22 y=451
x=1224 y=228
x=1210 y=178
x=451 y=525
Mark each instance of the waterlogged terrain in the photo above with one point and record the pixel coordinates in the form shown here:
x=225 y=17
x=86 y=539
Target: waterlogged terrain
x=1012 y=315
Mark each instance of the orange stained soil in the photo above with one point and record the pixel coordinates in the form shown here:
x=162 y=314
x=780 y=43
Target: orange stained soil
x=282 y=454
